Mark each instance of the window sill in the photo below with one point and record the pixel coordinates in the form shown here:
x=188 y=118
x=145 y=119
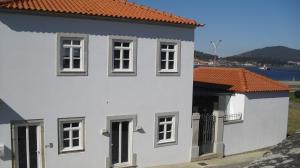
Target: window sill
x=122 y=73
x=72 y=73
x=168 y=73
x=233 y=122
x=162 y=144
x=71 y=151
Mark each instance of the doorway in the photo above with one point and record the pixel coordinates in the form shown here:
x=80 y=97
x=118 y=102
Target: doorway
x=120 y=139
x=27 y=144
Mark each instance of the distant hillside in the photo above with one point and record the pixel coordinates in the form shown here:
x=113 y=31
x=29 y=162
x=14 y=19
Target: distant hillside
x=203 y=56
x=277 y=55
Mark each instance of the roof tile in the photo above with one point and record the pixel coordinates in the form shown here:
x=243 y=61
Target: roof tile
x=104 y=8
x=239 y=79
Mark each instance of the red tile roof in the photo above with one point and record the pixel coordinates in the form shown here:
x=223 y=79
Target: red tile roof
x=105 y=8
x=239 y=79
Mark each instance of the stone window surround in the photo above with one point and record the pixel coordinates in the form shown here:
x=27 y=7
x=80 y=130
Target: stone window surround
x=59 y=70
x=178 y=57
x=133 y=40
x=166 y=114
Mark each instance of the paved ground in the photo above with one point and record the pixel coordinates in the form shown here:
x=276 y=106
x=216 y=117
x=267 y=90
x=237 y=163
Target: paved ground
x=284 y=155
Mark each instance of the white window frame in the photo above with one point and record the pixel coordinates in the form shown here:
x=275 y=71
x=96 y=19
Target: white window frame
x=176 y=65
x=61 y=130
x=83 y=54
x=173 y=140
x=132 y=56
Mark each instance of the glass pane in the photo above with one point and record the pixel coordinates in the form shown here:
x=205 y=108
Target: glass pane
x=32 y=147
x=116 y=64
x=76 y=52
x=161 y=120
x=161 y=128
x=66 y=63
x=171 y=55
x=169 y=127
x=163 y=46
x=116 y=54
x=126 y=44
x=117 y=43
x=124 y=154
x=115 y=142
x=75 y=124
x=169 y=118
x=161 y=136
x=171 y=64
x=75 y=142
x=22 y=147
x=66 y=125
x=125 y=64
x=75 y=133
x=168 y=135
x=163 y=65
x=66 y=41
x=66 y=52
x=76 y=42
x=66 y=134
x=76 y=63
x=163 y=55
x=66 y=144
x=171 y=46
x=126 y=54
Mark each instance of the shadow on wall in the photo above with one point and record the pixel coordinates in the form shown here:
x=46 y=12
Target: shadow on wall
x=263 y=95
x=47 y=24
x=7 y=114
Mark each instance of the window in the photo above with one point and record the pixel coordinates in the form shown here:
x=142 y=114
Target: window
x=166 y=129
x=122 y=56
x=168 y=58
x=71 y=137
x=72 y=54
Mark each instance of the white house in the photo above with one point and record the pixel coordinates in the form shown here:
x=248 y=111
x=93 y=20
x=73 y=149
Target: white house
x=94 y=83
x=255 y=110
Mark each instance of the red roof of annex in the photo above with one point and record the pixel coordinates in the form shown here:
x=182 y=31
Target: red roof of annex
x=106 y=8
x=240 y=80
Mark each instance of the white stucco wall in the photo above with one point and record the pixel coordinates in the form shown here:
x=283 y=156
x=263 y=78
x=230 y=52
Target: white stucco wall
x=264 y=124
x=30 y=88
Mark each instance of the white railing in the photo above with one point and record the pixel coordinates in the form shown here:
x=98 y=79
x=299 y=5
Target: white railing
x=233 y=117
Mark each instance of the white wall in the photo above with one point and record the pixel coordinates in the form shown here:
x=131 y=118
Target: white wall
x=264 y=125
x=30 y=88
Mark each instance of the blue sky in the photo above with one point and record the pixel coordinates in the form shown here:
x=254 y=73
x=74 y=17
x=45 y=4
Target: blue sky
x=242 y=25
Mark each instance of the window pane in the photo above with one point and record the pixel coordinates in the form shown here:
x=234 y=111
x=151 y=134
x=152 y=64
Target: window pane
x=160 y=136
x=66 y=41
x=168 y=135
x=66 y=143
x=126 y=64
x=75 y=142
x=171 y=55
x=76 y=42
x=66 y=52
x=75 y=124
x=169 y=118
x=66 y=125
x=126 y=44
x=115 y=142
x=163 y=46
x=126 y=54
x=22 y=147
x=171 y=64
x=66 y=135
x=66 y=63
x=163 y=55
x=33 y=146
x=76 y=52
x=171 y=46
x=124 y=148
x=161 y=128
x=117 y=43
x=75 y=133
x=163 y=65
x=116 y=54
x=76 y=63
x=169 y=127
x=162 y=119
x=116 y=64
